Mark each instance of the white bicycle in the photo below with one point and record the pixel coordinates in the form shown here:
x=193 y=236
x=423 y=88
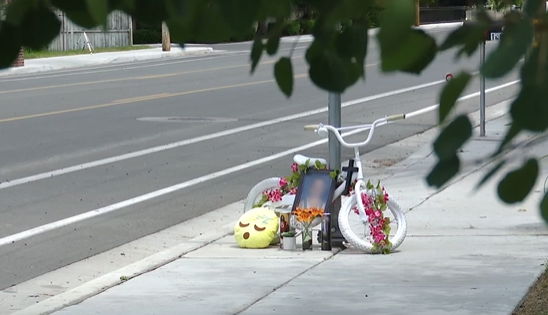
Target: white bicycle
x=353 y=221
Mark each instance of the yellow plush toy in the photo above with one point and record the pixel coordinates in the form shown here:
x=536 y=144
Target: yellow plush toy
x=257 y=228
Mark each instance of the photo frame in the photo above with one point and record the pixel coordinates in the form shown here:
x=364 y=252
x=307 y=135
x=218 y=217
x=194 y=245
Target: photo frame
x=315 y=190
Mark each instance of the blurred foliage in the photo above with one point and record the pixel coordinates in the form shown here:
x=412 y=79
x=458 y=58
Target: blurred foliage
x=336 y=56
x=501 y=5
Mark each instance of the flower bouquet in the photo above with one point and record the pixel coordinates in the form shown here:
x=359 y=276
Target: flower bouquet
x=290 y=184
x=307 y=217
x=375 y=202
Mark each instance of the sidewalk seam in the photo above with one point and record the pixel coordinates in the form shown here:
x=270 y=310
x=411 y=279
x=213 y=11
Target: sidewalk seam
x=283 y=284
x=460 y=178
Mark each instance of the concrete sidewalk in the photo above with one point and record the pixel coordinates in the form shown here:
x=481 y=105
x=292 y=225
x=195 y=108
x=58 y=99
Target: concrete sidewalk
x=38 y=65
x=465 y=253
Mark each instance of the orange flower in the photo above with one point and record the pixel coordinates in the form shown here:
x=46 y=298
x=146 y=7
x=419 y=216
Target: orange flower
x=307 y=215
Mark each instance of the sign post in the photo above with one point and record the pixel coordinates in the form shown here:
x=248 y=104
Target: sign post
x=482 y=91
x=493 y=34
x=334 y=119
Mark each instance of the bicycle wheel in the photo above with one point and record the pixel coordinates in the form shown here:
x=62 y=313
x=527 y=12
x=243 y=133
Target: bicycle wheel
x=356 y=231
x=256 y=193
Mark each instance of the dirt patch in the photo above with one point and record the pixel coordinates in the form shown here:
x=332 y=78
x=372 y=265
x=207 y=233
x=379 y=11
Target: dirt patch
x=383 y=163
x=536 y=300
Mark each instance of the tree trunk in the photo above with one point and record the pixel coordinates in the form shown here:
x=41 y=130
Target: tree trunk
x=166 y=40
x=417 y=13
x=20 y=60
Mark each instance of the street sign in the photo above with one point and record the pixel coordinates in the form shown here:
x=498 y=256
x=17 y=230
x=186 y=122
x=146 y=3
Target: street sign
x=495 y=35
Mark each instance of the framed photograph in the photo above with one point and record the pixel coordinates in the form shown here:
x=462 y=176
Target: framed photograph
x=315 y=191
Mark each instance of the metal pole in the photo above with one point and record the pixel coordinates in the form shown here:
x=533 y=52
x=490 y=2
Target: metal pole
x=482 y=92
x=334 y=119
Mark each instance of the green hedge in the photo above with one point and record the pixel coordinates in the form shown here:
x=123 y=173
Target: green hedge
x=147 y=36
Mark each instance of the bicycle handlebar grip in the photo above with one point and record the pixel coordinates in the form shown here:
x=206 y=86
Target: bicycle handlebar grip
x=395 y=117
x=311 y=127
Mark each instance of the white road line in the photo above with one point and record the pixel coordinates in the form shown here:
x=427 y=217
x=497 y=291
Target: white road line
x=463 y=98
x=198 y=180
x=134 y=154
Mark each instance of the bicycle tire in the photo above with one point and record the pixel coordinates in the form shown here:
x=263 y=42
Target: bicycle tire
x=362 y=243
x=256 y=192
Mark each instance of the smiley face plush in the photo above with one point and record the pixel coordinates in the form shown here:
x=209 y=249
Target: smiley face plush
x=257 y=228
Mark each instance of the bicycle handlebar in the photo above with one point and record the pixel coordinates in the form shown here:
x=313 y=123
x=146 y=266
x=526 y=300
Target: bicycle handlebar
x=324 y=129
x=395 y=117
x=311 y=127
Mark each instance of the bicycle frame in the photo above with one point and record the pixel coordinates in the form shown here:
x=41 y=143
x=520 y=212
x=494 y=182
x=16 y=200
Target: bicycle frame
x=323 y=130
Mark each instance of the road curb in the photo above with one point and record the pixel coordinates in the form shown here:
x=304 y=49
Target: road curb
x=112 y=279
x=105 y=58
x=150 y=263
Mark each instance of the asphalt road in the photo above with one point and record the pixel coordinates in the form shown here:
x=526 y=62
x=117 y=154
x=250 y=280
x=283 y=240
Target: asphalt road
x=56 y=129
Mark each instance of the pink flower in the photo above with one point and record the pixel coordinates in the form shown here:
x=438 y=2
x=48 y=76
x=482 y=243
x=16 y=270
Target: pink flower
x=294 y=167
x=283 y=182
x=274 y=195
x=293 y=191
x=378 y=238
x=378 y=214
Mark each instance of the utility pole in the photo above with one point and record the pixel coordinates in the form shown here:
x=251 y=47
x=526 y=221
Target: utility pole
x=166 y=40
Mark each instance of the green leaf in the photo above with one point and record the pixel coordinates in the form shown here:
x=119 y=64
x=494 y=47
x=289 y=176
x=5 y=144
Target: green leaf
x=329 y=70
x=515 y=41
x=403 y=48
x=240 y=14
x=443 y=171
x=11 y=43
x=39 y=27
x=17 y=10
x=77 y=11
x=517 y=184
x=98 y=10
x=351 y=44
x=414 y=51
x=256 y=52
x=154 y=12
x=530 y=7
x=490 y=174
x=468 y=36
x=544 y=207
x=453 y=137
x=396 y=19
x=283 y=72
x=272 y=44
x=511 y=133
x=530 y=109
x=451 y=92
x=318 y=165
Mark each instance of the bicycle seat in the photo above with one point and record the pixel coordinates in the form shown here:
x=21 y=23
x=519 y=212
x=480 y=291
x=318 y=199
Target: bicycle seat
x=301 y=160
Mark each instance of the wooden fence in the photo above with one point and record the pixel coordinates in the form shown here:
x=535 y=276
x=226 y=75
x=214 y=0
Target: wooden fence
x=118 y=32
